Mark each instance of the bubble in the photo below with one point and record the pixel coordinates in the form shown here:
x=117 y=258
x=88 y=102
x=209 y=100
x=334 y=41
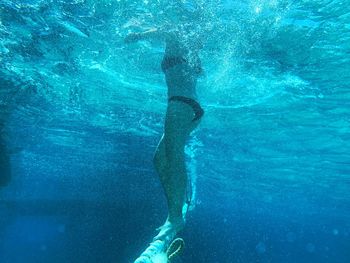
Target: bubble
x=335 y=231
x=261 y=247
x=310 y=247
x=291 y=237
x=43 y=247
x=268 y=198
x=61 y=229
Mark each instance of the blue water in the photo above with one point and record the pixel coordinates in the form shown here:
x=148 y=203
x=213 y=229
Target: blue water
x=81 y=114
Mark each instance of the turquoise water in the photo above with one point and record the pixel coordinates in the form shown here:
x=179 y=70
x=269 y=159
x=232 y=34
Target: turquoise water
x=81 y=114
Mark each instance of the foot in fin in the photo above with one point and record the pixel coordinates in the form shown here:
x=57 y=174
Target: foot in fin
x=155 y=248
x=163 y=245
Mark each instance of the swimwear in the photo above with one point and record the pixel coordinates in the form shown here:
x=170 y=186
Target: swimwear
x=198 y=111
x=171 y=61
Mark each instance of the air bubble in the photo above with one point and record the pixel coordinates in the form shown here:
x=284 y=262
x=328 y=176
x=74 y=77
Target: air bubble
x=291 y=237
x=261 y=247
x=310 y=248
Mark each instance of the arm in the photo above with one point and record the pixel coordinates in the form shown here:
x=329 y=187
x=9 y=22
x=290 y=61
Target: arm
x=150 y=34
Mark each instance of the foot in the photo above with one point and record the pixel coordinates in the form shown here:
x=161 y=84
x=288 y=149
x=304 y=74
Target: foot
x=160 y=244
x=154 y=250
x=169 y=230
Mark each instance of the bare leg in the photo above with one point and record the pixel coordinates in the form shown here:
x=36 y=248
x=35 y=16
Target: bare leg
x=169 y=161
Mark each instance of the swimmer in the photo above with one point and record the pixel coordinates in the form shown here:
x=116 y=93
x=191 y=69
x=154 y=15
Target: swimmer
x=182 y=67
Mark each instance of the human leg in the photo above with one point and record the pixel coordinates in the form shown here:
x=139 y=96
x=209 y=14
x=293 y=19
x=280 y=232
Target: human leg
x=169 y=161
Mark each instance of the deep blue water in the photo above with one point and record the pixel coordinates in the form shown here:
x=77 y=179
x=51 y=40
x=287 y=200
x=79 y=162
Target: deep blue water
x=81 y=114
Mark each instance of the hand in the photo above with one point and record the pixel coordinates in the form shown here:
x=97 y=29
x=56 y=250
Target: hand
x=132 y=38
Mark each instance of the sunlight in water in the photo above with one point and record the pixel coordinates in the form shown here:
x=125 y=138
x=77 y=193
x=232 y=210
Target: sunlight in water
x=82 y=111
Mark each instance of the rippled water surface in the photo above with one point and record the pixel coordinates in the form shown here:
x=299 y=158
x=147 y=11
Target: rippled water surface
x=81 y=113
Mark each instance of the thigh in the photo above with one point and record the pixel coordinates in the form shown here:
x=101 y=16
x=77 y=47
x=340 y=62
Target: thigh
x=159 y=155
x=178 y=126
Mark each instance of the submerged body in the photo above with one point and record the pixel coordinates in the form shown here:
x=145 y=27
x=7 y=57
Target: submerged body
x=181 y=67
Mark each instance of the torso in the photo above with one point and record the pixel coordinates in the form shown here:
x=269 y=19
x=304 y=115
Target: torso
x=182 y=68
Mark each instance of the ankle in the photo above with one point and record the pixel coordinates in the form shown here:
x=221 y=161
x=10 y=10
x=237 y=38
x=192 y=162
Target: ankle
x=177 y=222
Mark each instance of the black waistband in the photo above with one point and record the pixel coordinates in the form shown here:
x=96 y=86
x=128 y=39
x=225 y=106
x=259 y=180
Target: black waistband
x=198 y=111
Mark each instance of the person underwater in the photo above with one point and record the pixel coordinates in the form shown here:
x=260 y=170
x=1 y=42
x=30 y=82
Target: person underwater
x=181 y=66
